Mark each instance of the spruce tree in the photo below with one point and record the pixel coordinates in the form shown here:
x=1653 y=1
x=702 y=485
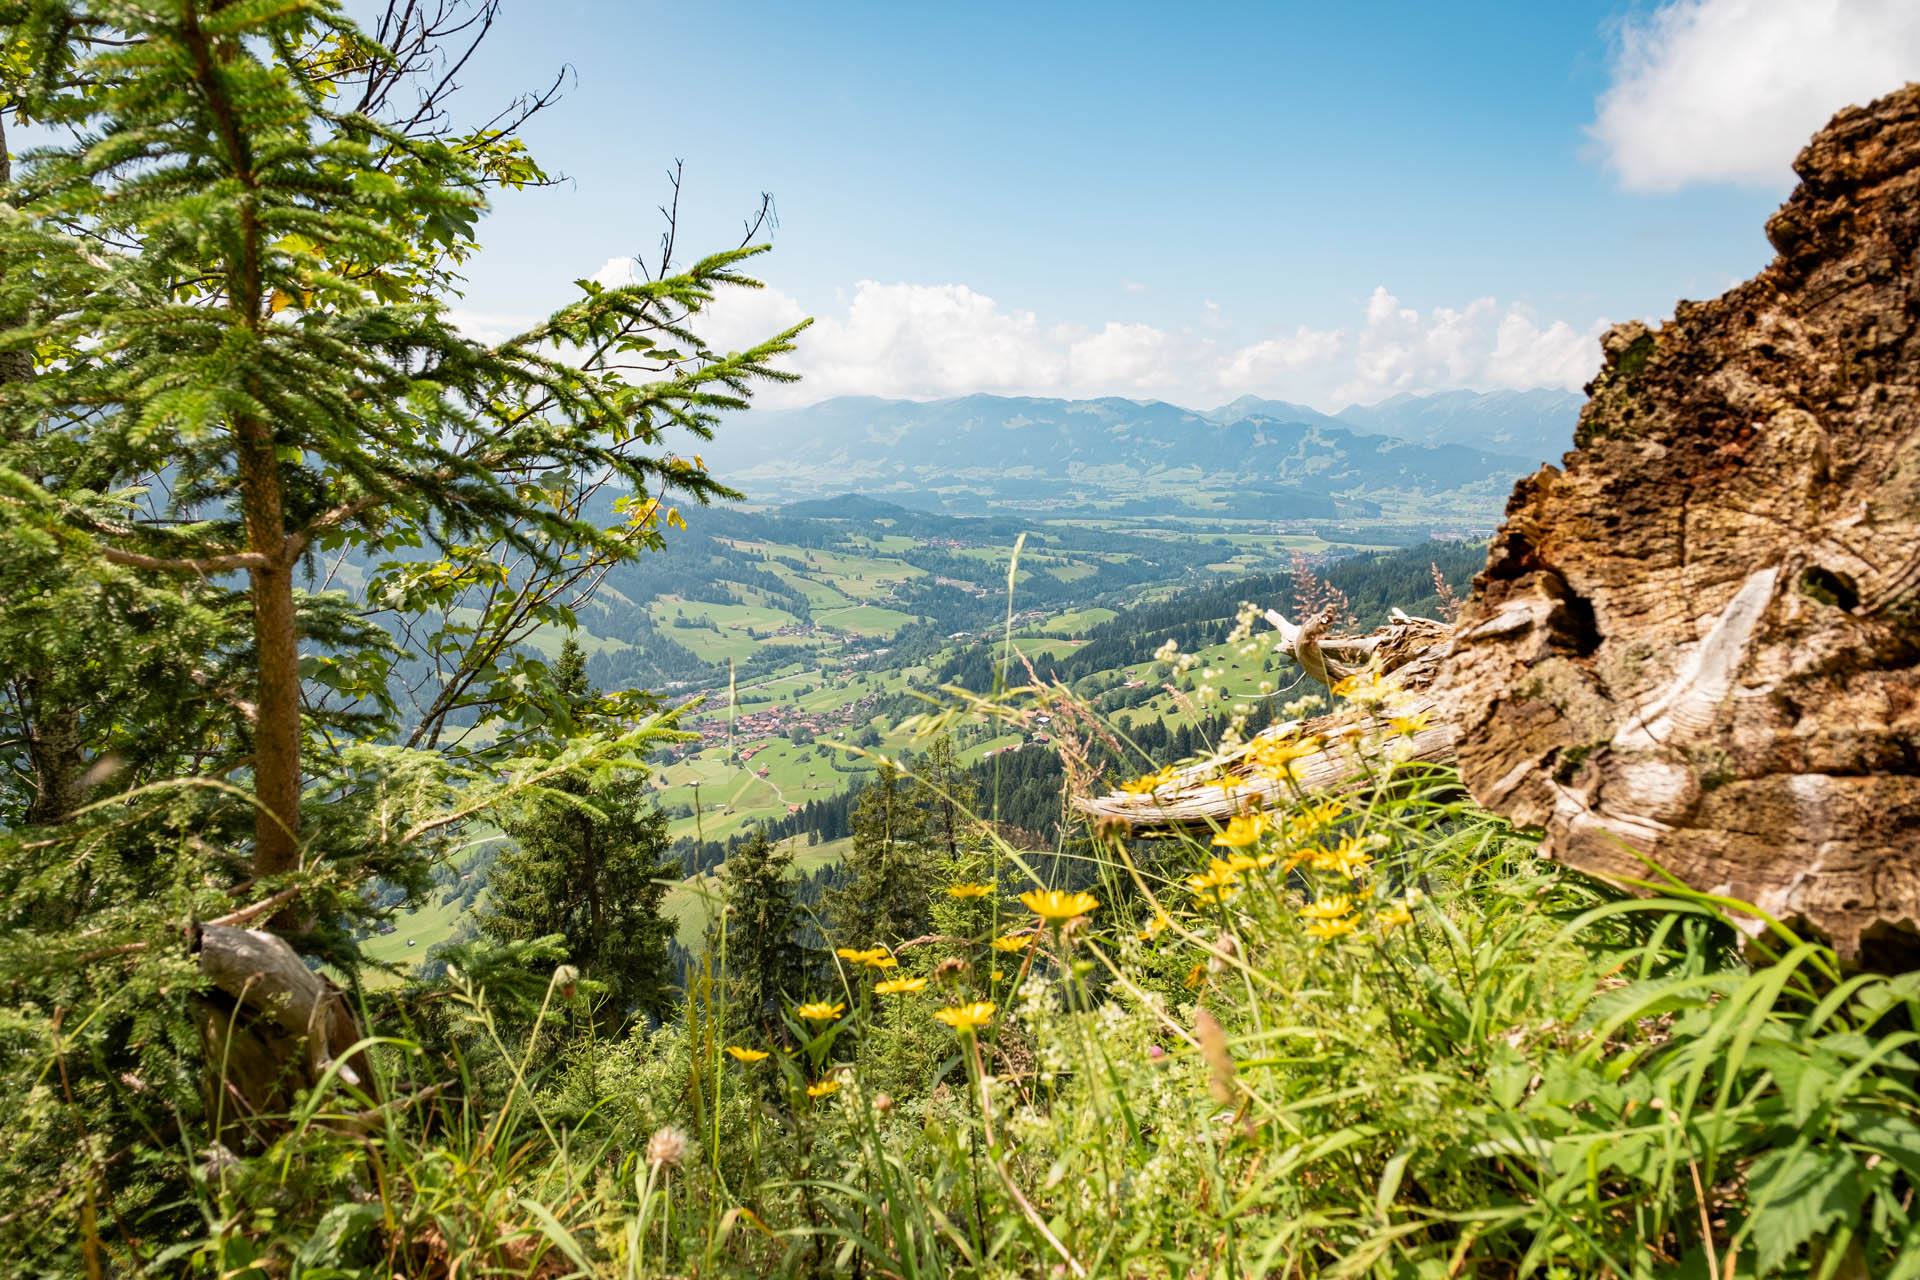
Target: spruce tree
x=886 y=896
x=768 y=963
x=591 y=864
x=262 y=369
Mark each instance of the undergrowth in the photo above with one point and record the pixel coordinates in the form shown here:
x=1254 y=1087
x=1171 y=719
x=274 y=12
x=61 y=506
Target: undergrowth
x=1373 y=1034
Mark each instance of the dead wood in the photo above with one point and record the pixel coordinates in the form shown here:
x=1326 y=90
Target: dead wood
x=1694 y=645
x=271 y=1027
x=1357 y=748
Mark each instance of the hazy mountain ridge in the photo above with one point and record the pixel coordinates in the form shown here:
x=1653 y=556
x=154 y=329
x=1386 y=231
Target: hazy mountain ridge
x=1109 y=448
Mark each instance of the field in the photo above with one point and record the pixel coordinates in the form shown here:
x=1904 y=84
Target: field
x=806 y=730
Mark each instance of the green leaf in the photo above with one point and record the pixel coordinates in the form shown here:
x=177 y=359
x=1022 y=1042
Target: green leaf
x=1796 y=1194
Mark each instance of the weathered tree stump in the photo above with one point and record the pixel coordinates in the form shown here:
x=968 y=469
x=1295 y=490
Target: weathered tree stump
x=271 y=1027
x=1694 y=646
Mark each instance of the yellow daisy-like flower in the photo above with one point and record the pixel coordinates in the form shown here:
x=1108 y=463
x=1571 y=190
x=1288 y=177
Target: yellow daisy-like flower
x=999 y=974
x=1155 y=926
x=1217 y=875
x=1276 y=755
x=820 y=1011
x=969 y=890
x=1216 y=897
x=967 y=1017
x=881 y=962
x=1310 y=819
x=1242 y=830
x=1328 y=908
x=1365 y=686
x=1328 y=930
x=1229 y=783
x=1393 y=917
x=1052 y=904
x=1410 y=725
x=860 y=957
x=822 y=1088
x=1009 y=944
x=746 y=1055
x=1349 y=858
x=1146 y=783
x=900 y=986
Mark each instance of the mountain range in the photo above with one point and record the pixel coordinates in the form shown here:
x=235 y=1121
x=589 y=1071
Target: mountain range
x=981 y=452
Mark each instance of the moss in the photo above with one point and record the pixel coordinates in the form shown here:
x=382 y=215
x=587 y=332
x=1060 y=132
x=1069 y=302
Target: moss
x=1567 y=766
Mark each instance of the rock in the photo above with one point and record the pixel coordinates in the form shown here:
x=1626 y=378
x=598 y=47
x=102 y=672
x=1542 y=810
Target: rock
x=1694 y=647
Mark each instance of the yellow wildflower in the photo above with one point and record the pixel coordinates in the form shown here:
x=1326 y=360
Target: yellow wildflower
x=967 y=1017
x=1155 y=926
x=1009 y=944
x=969 y=890
x=1365 y=686
x=1410 y=725
x=1276 y=755
x=1215 y=897
x=1349 y=858
x=881 y=962
x=820 y=1011
x=1243 y=829
x=999 y=974
x=1052 y=904
x=822 y=1088
x=746 y=1055
x=1328 y=908
x=860 y=957
x=1393 y=917
x=1147 y=783
x=1310 y=819
x=900 y=986
x=1328 y=930
x=1217 y=875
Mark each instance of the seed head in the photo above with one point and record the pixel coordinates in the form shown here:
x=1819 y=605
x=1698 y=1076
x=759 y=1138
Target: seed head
x=667 y=1146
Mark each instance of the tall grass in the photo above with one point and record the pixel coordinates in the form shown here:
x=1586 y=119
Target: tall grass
x=1374 y=1035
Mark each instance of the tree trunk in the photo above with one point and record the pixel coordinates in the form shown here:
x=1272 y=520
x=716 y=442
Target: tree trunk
x=1694 y=648
x=276 y=745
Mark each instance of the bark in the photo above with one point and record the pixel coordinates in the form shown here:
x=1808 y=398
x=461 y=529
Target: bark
x=1694 y=646
x=1358 y=752
x=271 y=1027
x=276 y=747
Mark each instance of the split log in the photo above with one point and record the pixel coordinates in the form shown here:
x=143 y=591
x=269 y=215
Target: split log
x=1695 y=645
x=271 y=1027
x=1355 y=750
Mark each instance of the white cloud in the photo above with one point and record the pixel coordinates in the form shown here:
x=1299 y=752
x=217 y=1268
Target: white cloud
x=1481 y=346
x=1132 y=286
x=489 y=326
x=924 y=341
x=1730 y=90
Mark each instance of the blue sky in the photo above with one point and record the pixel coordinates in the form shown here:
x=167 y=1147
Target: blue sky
x=1322 y=202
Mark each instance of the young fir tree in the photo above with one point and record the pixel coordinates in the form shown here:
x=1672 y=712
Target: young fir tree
x=768 y=964
x=591 y=864
x=227 y=367
x=889 y=884
x=261 y=369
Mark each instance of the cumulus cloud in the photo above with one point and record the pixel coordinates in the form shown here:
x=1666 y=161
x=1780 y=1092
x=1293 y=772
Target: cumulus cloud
x=1730 y=90
x=925 y=341
x=1481 y=346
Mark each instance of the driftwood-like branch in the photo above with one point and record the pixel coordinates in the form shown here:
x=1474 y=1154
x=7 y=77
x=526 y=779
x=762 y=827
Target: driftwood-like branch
x=273 y=1027
x=1354 y=750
